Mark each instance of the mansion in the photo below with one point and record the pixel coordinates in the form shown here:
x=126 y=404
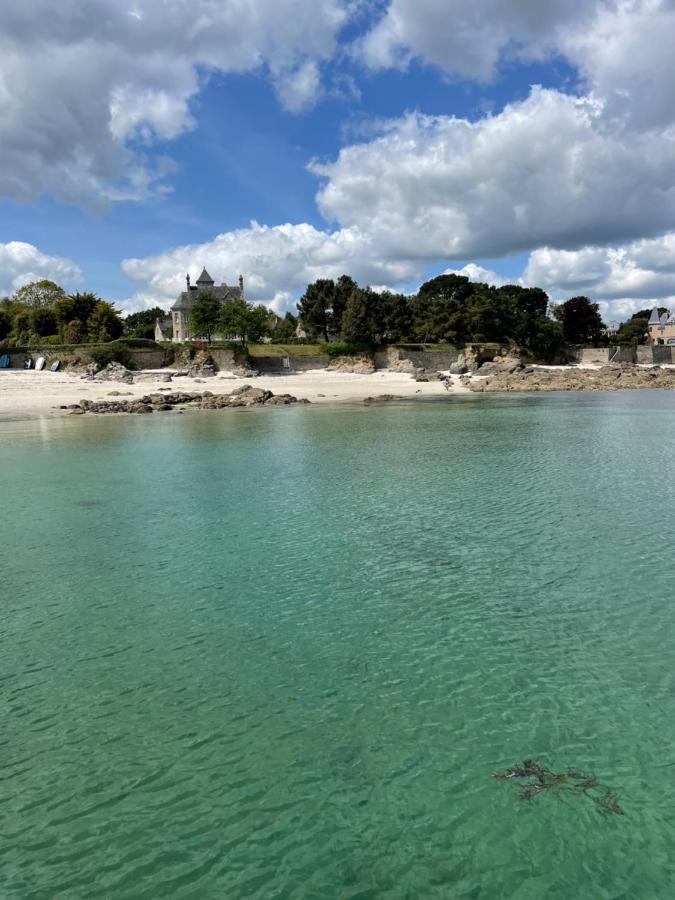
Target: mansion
x=661 y=328
x=180 y=310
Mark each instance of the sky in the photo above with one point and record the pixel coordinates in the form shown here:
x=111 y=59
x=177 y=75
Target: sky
x=287 y=140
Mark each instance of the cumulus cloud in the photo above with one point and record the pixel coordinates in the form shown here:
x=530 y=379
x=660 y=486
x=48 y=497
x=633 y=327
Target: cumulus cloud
x=469 y=38
x=545 y=171
x=277 y=262
x=626 y=278
x=82 y=85
x=21 y=263
x=474 y=272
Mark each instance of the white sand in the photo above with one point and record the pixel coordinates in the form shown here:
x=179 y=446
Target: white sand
x=29 y=394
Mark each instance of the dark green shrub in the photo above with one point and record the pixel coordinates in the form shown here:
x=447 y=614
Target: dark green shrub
x=138 y=342
x=342 y=348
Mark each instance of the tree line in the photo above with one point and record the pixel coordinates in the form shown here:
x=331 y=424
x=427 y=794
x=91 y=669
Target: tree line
x=42 y=312
x=449 y=308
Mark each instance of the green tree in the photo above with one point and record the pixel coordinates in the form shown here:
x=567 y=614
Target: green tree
x=142 y=324
x=43 y=321
x=5 y=324
x=581 y=321
x=316 y=309
x=440 y=309
x=204 y=315
x=104 y=323
x=634 y=331
x=73 y=332
x=344 y=287
x=284 y=330
x=397 y=318
x=362 y=319
x=546 y=338
x=39 y=294
x=75 y=307
x=21 y=324
x=244 y=320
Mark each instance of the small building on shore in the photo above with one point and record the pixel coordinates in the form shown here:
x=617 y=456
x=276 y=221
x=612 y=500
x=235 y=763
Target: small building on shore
x=661 y=328
x=180 y=311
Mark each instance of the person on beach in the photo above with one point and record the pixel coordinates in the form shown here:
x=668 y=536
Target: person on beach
x=447 y=384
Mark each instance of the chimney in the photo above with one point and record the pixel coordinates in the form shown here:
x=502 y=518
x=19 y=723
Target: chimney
x=241 y=285
x=187 y=281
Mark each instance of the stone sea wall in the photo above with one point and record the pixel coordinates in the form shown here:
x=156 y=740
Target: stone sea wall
x=392 y=357
x=271 y=365
x=143 y=358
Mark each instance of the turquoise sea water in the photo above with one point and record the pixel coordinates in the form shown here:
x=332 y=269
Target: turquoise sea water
x=278 y=653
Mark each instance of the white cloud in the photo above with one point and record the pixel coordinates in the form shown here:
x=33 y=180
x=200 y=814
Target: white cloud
x=277 y=263
x=21 y=263
x=469 y=38
x=474 y=272
x=545 y=171
x=82 y=83
x=623 y=279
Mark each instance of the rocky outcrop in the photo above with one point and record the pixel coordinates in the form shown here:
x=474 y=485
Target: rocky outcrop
x=245 y=396
x=608 y=378
x=358 y=364
x=245 y=372
x=202 y=366
x=114 y=371
x=501 y=365
x=484 y=359
x=404 y=366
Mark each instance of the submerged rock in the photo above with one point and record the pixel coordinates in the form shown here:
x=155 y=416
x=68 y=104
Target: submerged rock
x=382 y=398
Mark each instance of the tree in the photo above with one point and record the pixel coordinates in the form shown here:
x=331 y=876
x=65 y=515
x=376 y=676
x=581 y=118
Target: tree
x=75 y=307
x=580 y=320
x=142 y=324
x=362 y=320
x=634 y=331
x=39 y=294
x=397 y=320
x=546 y=338
x=43 y=321
x=204 y=315
x=344 y=288
x=73 y=332
x=5 y=324
x=440 y=308
x=104 y=323
x=316 y=308
x=284 y=330
x=244 y=320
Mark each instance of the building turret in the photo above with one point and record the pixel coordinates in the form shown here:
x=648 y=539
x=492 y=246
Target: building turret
x=187 y=281
x=205 y=279
x=241 y=286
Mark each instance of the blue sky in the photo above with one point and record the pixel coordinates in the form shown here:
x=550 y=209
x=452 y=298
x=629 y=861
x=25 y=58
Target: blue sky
x=399 y=140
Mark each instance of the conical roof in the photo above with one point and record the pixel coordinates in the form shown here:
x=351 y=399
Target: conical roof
x=205 y=278
x=654 y=318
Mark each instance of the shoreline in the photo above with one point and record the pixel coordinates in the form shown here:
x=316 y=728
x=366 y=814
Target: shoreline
x=27 y=394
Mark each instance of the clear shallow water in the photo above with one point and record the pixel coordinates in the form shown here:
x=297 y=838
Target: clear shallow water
x=278 y=653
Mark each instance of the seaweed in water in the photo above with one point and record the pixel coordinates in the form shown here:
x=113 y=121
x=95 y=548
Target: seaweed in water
x=561 y=783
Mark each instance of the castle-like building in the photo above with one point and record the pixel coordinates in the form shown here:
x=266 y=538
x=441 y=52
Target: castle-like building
x=180 y=311
x=661 y=328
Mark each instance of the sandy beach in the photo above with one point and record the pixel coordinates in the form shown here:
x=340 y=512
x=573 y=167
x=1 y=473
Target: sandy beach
x=30 y=394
